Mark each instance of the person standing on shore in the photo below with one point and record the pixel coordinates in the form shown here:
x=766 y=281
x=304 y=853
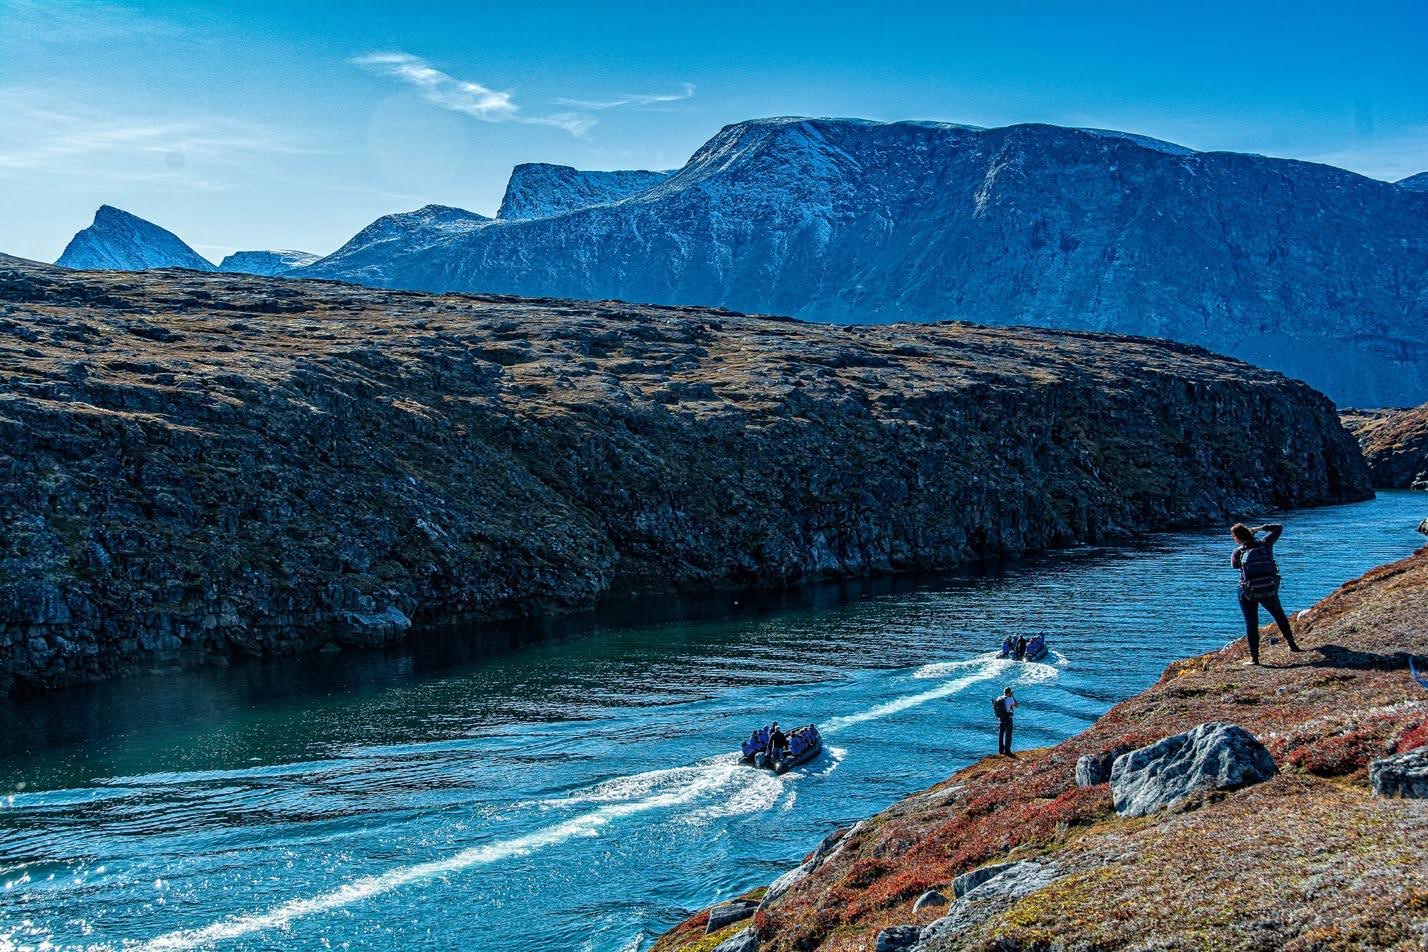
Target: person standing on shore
x=1004 y=707
x=1259 y=581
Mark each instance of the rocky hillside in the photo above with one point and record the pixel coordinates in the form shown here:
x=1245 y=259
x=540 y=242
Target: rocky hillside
x=538 y=190
x=1310 y=270
x=201 y=464
x=1395 y=443
x=120 y=241
x=1284 y=831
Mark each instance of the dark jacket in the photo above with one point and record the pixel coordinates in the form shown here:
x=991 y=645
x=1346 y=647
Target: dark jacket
x=1271 y=536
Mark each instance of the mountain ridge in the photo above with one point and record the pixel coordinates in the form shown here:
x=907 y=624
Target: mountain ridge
x=542 y=190
x=1317 y=271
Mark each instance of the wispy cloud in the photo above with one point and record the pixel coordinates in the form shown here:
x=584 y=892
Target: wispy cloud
x=630 y=99
x=464 y=96
x=63 y=138
x=491 y=105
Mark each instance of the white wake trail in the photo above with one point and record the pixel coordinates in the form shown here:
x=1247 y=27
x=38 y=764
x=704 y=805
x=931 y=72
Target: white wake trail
x=367 y=887
x=946 y=689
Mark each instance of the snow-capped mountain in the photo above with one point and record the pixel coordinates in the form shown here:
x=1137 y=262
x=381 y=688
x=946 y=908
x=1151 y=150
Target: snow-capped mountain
x=120 y=241
x=1417 y=183
x=538 y=190
x=269 y=263
x=371 y=255
x=1304 y=268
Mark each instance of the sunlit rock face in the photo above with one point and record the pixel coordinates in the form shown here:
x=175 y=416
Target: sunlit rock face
x=197 y=465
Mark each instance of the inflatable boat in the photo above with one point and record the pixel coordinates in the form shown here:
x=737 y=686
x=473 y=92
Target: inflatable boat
x=804 y=743
x=1035 y=648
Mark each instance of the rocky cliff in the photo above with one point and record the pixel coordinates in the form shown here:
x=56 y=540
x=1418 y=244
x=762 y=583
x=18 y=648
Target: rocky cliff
x=1395 y=443
x=194 y=465
x=1310 y=270
x=1284 y=831
x=120 y=241
x=539 y=190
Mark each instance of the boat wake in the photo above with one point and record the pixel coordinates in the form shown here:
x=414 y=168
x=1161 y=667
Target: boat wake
x=698 y=793
x=722 y=779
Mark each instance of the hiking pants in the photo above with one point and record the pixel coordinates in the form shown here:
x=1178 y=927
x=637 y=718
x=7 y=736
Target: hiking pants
x=1250 y=605
x=1004 y=735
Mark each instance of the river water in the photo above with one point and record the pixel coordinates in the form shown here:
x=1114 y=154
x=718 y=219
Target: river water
x=573 y=788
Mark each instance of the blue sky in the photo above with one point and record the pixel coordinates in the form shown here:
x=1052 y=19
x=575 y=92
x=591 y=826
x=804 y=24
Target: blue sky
x=292 y=125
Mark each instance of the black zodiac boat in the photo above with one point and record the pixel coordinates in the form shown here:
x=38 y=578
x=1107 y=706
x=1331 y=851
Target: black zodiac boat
x=804 y=743
x=1035 y=648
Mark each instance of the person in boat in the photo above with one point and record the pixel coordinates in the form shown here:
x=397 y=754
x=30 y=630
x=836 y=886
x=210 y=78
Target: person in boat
x=1004 y=706
x=778 y=742
x=1021 y=648
x=1008 y=646
x=1259 y=581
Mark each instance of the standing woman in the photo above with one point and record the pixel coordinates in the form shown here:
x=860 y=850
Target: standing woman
x=1259 y=581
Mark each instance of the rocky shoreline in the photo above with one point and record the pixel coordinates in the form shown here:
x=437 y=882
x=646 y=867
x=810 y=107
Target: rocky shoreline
x=1226 y=807
x=196 y=466
x=1395 y=443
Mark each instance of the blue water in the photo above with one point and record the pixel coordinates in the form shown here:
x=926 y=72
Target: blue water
x=577 y=792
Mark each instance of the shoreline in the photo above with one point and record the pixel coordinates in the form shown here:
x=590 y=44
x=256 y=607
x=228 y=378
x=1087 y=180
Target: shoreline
x=1325 y=717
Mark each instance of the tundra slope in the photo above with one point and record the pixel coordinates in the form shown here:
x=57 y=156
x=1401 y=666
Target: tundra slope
x=1395 y=443
x=1311 y=270
x=195 y=465
x=1307 y=860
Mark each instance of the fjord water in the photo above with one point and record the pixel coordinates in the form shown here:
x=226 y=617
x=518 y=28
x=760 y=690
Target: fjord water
x=578 y=792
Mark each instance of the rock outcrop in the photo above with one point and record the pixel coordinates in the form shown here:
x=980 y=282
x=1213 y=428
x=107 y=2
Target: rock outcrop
x=1208 y=757
x=1329 y=853
x=1310 y=270
x=201 y=465
x=1395 y=443
x=119 y=241
x=1402 y=775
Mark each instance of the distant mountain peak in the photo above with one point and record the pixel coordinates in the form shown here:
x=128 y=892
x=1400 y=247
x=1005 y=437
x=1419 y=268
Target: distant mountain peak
x=366 y=257
x=267 y=263
x=1414 y=183
x=540 y=190
x=120 y=241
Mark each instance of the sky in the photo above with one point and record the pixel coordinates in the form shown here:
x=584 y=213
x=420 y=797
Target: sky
x=249 y=125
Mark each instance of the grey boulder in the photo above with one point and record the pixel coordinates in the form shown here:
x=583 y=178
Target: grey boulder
x=746 y=940
x=729 y=913
x=1092 y=769
x=897 y=938
x=969 y=881
x=928 y=900
x=1402 y=775
x=1212 y=756
x=995 y=894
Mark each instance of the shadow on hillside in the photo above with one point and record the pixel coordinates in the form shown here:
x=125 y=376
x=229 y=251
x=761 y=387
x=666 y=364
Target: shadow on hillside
x=1337 y=656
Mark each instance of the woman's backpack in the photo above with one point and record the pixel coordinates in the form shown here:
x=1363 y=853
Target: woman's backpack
x=1259 y=576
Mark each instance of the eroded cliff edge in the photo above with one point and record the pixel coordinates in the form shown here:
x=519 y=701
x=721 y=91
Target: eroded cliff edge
x=1309 y=859
x=196 y=465
x=1395 y=443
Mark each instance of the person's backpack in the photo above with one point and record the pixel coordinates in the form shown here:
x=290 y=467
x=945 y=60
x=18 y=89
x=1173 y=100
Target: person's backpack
x=998 y=708
x=1258 y=573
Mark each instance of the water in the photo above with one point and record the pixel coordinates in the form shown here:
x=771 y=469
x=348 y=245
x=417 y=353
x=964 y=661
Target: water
x=576 y=792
